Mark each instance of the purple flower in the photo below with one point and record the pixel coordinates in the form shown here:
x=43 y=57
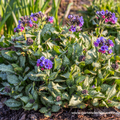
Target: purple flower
x=106 y=47
x=35 y=18
x=15 y=29
x=93 y=86
x=40 y=12
x=97 y=12
x=101 y=51
x=42 y=58
x=103 y=48
x=98 y=40
x=49 y=64
x=41 y=64
x=110 y=51
x=70 y=16
x=106 y=11
x=110 y=43
x=73 y=29
x=38 y=61
x=19 y=21
x=50 y=19
x=45 y=62
x=102 y=12
x=96 y=44
x=102 y=39
x=19 y=27
x=81 y=20
x=32 y=15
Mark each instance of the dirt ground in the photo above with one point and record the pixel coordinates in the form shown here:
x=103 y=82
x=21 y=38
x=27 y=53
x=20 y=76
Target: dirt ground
x=63 y=114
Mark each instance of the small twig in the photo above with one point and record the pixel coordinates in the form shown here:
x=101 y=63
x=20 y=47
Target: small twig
x=59 y=113
x=70 y=110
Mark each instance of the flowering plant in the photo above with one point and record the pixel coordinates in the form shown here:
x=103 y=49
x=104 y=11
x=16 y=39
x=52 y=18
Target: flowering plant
x=77 y=21
x=108 y=16
x=54 y=68
x=104 y=45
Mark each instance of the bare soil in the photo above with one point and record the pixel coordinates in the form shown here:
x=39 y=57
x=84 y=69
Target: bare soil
x=64 y=114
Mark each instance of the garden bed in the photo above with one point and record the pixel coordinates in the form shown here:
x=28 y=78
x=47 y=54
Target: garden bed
x=64 y=114
x=58 y=88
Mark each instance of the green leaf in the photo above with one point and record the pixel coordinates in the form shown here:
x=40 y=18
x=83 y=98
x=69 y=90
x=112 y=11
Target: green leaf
x=96 y=64
x=75 y=100
x=25 y=99
x=38 y=38
x=79 y=79
x=18 y=96
x=10 y=53
x=12 y=79
x=89 y=71
x=6 y=56
x=48 y=100
x=28 y=88
x=111 y=92
x=43 y=110
x=55 y=108
x=86 y=82
x=57 y=63
x=66 y=75
x=104 y=87
x=6 y=68
x=47 y=114
x=59 y=103
x=65 y=96
x=95 y=102
x=3 y=75
x=28 y=105
x=22 y=60
x=53 y=76
x=100 y=74
x=35 y=106
x=81 y=106
x=57 y=49
x=35 y=95
x=66 y=61
x=13 y=103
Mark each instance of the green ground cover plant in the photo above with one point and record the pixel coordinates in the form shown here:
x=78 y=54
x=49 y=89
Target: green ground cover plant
x=52 y=67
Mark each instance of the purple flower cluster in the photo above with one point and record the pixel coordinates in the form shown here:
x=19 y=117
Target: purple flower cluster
x=77 y=21
x=44 y=63
x=50 y=19
x=108 y=16
x=104 y=45
x=30 y=21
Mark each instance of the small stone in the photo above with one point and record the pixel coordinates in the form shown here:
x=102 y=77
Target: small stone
x=33 y=117
x=23 y=117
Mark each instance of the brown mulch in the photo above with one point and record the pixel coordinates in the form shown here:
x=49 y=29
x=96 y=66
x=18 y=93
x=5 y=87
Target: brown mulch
x=64 y=114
